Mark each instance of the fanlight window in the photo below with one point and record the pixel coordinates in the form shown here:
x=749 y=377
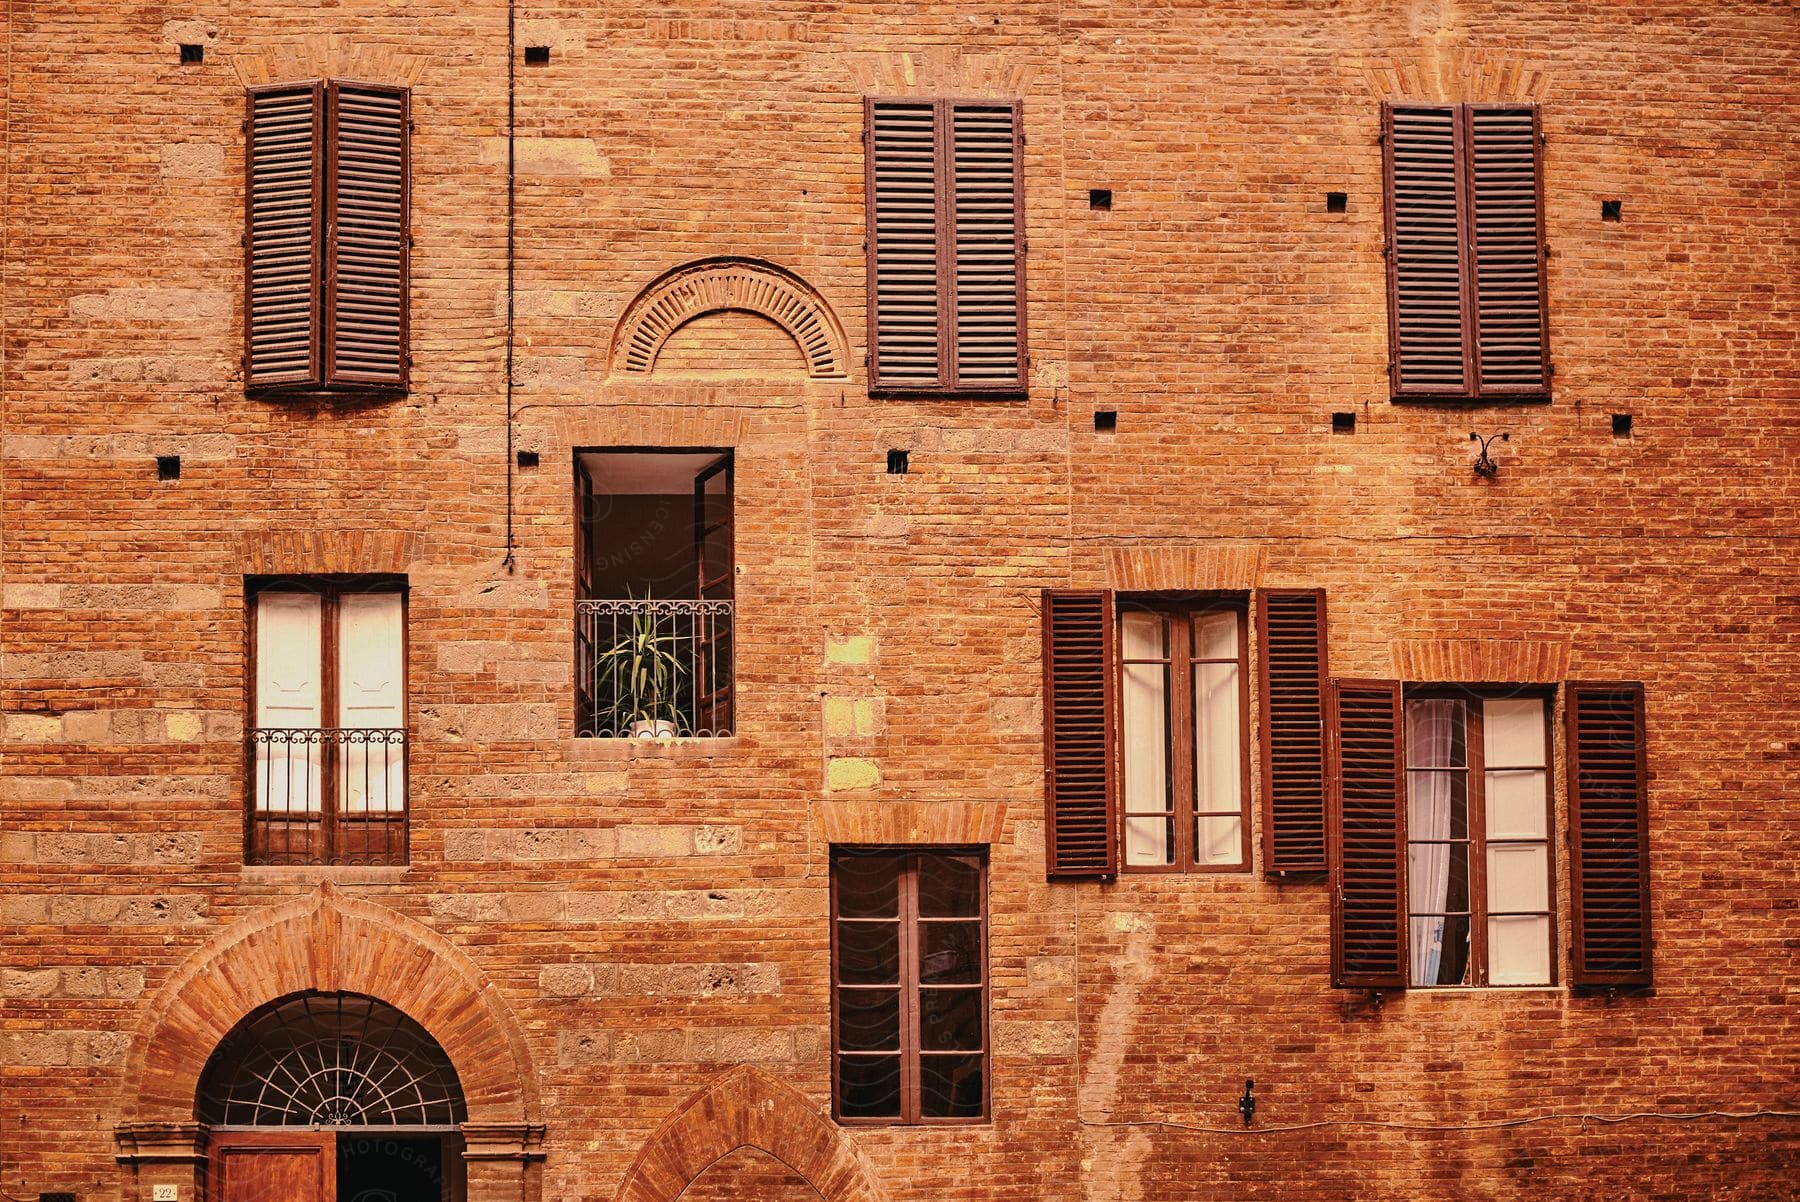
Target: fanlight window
x=329 y=1060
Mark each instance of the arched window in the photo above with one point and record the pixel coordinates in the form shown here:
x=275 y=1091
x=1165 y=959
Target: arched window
x=329 y=1060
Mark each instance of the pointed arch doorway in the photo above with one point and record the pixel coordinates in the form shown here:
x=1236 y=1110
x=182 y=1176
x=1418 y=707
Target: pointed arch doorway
x=332 y=1097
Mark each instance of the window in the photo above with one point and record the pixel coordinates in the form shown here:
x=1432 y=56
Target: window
x=327 y=237
x=946 y=246
x=654 y=584
x=909 y=985
x=1466 y=289
x=327 y=747
x=1146 y=699
x=1441 y=860
x=1185 y=760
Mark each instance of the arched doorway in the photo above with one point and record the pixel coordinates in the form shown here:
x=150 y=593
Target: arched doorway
x=332 y=1097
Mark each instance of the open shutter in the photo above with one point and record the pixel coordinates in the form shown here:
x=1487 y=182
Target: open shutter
x=1609 y=835
x=713 y=538
x=1368 y=834
x=989 y=304
x=903 y=245
x=1506 y=196
x=1426 y=294
x=281 y=239
x=367 y=235
x=1292 y=681
x=1080 y=822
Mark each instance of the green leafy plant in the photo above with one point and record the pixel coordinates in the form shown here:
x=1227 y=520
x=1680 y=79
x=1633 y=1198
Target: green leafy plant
x=642 y=673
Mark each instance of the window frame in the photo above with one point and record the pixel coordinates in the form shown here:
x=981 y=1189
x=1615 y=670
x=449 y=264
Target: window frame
x=908 y=919
x=1474 y=697
x=1182 y=744
x=948 y=384
x=330 y=588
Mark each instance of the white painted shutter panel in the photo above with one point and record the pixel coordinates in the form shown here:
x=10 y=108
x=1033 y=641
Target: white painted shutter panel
x=289 y=698
x=372 y=697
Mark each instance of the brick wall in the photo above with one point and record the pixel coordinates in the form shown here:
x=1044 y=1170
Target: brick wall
x=655 y=916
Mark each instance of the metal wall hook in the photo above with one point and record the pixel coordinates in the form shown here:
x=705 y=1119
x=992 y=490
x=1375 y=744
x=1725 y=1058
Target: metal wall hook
x=1485 y=467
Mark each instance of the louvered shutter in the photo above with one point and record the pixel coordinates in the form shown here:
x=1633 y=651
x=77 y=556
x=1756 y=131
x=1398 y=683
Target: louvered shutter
x=988 y=299
x=1368 y=835
x=1609 y=835
x=1427 y=299
x=903 y=244
x=1079 y=810
x=281 y=244
x=366 y=240
x=1291 y=633
x=1511 y=332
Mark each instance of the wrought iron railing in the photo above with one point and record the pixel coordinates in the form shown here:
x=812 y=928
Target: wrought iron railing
x=335 y=795
x=647 y=669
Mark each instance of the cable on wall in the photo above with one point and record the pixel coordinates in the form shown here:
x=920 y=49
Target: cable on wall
x=512 y=50
x=1490 y=1125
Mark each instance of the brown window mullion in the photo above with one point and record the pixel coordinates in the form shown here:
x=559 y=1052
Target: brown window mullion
x=909 y=989
x=1182 y=746
x=943 y=122
x=329 y=752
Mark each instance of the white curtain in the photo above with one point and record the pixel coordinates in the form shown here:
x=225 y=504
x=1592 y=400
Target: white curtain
x=1430 y=737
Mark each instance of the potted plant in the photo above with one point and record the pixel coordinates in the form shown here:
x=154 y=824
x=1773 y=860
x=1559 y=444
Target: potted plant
x=642 y=672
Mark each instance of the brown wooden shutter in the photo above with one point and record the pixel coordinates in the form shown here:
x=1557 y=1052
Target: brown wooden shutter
x=283 y=212
x=1426 y=270
x=904 y=345
x=1609 y=835
x=367 y=235
x=987 y=322
x=1506 y=199
x=1292 y=682
x=1080 y=825
x=1368 y=835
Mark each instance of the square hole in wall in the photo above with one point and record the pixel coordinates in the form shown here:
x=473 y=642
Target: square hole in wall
x=897 y=463
x=1612 y=210
x=1336 y=202
x=193 y=52
x=528 y=458
x=1621 y=423
x=1099 y=198
x=1106 y=420
x=1343 y=423
x=168 y=467
x=537 y=56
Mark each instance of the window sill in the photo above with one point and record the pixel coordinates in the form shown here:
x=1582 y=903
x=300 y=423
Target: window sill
x=594 y=750
x=312 y=874
x=1463 y=400
x=1460 y=990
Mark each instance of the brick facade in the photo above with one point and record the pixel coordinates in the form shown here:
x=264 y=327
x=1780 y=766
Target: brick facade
x=624 y=946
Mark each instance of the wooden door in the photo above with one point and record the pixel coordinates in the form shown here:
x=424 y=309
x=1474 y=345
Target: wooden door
x=273 y=1166
x=712 y=630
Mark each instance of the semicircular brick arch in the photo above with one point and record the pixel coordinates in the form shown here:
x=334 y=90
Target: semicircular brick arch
x=730 y=283
x=330 y=943
x=745 y=1109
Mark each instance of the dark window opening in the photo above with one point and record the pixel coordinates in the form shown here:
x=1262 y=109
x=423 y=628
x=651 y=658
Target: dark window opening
x=1099 y=198
x=654 y=593
x=192 y=52
x=1612 y=210
x=897 y=463
x=1106 y=421
x=528 y=458
x=1343 y=423
x=168 y=467
x=1337 y=202
x=537 y=56
x=1621 y=425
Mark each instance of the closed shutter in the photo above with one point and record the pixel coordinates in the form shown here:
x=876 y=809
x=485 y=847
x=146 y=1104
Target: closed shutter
x=903 y=244
x=1079 y=808
x=985 y=192
x=372 y=698
x=1368 y=836
x=1509 y=250
x=1292 y=679
x=1428 y=355
x=281 y=243
x=1609 y=835
x=366 y=243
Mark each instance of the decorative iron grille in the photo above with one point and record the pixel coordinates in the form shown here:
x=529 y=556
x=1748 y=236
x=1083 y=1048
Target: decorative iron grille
x=329 y=1060
x=333 y=795
x=651 y=668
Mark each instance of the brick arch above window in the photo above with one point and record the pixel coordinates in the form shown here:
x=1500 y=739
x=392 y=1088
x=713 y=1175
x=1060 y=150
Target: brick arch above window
x=745 y=1109
x=724 y=284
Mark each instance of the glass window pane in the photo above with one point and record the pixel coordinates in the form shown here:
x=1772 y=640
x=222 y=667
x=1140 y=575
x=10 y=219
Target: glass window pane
x=949 y=886
x=1512 y=732
x=1518 y=877
x=868 y=886
x=1437 y=877
x=1440 y=950
x=950 y=1086
x=1146 y=735
x=1434 y=734
x=1143 y=635
x=1437 y=805
x=869 y=1020
x=950 y=953
x=1218 y=758
x=949 y=1020
x=868 y=953
x=1219 y=840
x=1518 y=804
x=1150 y=840
x=869 y=1087
x=1216 y=635
x=1518 y=951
